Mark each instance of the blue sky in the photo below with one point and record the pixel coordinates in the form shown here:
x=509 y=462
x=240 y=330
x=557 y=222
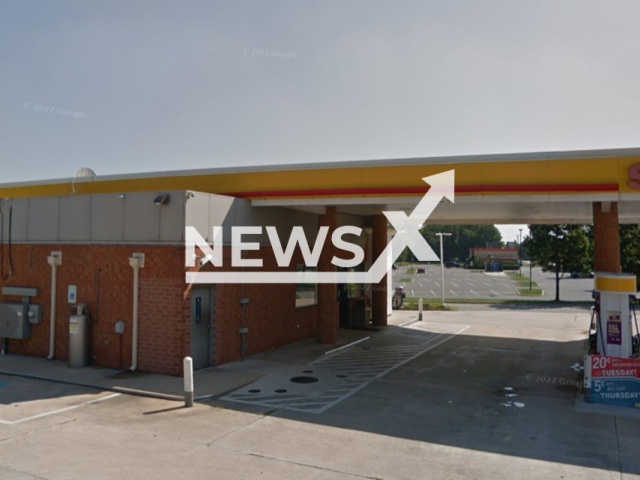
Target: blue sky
x=159 y=85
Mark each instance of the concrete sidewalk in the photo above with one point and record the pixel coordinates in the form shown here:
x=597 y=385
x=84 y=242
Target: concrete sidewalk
x=209 y=382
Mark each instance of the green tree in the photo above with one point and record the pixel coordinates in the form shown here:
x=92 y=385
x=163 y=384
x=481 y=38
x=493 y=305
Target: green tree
x=630 y=249
x=560 y=249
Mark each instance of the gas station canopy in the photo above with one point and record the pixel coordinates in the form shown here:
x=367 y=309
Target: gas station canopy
x=549 y=187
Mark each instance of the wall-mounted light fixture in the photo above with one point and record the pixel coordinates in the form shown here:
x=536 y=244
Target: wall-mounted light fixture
x=163 y=199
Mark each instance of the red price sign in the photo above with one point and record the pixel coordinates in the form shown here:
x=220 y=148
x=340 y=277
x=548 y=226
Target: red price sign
x=608 y=367
x=614 y=381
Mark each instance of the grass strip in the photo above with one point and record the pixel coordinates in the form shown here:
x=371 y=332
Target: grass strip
x=532 y=292
x=504 y=301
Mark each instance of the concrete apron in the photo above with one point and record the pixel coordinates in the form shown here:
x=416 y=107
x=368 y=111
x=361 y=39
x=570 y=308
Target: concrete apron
x=209 y=382
x=319 y=385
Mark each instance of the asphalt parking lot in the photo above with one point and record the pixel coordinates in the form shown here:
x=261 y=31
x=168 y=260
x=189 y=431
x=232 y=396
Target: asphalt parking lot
x=461 y=395
x=461 y=284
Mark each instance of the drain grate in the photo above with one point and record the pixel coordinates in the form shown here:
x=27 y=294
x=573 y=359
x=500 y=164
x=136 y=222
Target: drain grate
x=303 y=379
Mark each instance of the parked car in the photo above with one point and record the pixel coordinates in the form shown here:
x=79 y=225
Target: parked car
x=452 y=264
x=420 y=270
x=582 y=275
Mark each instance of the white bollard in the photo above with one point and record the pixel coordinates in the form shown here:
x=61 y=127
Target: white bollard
x=188 y=381
x=419 y=309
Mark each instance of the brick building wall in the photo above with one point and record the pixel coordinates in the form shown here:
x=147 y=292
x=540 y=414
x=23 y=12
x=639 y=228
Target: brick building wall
x=105 y=283
x=271 y=314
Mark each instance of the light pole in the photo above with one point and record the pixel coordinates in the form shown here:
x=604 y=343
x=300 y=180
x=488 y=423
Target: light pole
x=442 y=234
x=530 y=274
x=520 y=253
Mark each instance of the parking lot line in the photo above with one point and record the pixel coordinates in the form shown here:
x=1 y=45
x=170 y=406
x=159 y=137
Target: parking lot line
x=434 y=293
x=60 y=410
x=454 y=284
x=454 y=293
x=474 y=293
x=495 y=293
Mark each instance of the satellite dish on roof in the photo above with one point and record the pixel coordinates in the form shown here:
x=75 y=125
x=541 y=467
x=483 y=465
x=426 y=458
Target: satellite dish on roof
x=85 y=172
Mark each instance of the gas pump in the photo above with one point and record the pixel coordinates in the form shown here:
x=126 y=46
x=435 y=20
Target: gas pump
x=398 y=298
x=615 y=320
x=612 y=367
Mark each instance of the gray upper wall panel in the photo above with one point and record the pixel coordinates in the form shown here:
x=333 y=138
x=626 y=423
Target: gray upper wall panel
x=134 y=218
x=72 y=209
x=105 y=218
x=204 y=211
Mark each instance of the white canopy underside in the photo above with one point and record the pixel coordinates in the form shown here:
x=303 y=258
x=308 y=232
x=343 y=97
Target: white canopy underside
x=476 y=209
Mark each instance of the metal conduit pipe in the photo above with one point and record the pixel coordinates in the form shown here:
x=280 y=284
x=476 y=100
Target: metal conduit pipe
x=136 y=262
x=55 y=260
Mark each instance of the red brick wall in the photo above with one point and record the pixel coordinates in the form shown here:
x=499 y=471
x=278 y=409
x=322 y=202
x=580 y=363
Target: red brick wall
x=164 y=305
x=271 y=315
x=161 y=312
x=328 y=307
x=606 y=236
x=379 y=291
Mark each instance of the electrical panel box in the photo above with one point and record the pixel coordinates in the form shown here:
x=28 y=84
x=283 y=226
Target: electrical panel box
x=13 y=324
x=72 y=294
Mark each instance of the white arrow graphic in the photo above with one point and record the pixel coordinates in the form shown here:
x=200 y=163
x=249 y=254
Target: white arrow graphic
x=408 y=235
x=408 y=227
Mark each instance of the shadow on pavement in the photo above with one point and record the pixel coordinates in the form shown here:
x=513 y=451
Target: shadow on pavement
x=540 y=306
x=507 y=396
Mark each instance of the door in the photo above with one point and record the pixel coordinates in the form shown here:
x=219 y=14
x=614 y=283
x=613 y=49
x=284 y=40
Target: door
x=201 y=327
x=343 y=298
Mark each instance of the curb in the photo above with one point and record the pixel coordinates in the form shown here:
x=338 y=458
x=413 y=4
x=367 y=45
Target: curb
x=127 y=391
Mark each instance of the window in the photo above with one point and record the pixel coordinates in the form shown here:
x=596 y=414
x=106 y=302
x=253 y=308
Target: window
x=306 y=293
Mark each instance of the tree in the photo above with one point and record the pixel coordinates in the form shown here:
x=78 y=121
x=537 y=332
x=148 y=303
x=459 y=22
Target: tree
x=560 y=249
x=456 y=247
x=630 y=249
